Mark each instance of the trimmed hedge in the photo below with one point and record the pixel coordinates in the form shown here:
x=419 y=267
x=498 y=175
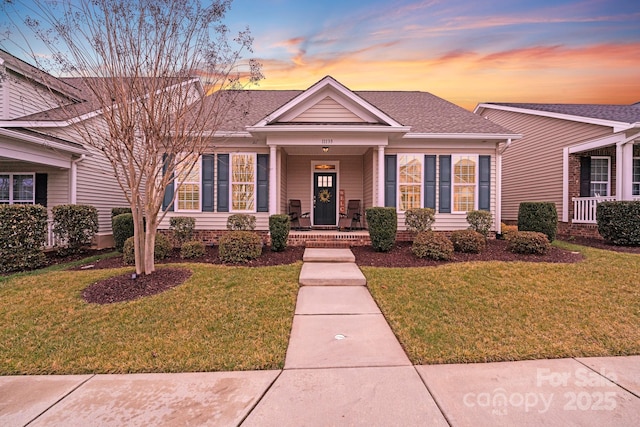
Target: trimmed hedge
x=419 y=219
x=75 y=225
x=383 y=225
x=162 y=248
x=279 y=226
x=122 y=226
x=240 y=246
x=538 y=216
x=468 y=241
x=480 y=221
x=241 y=222
x=182 y=227
x=23 y=234
x=192 y=249
x=429 y=244
x=528 y=242
x=619 y=222
x=119 y=211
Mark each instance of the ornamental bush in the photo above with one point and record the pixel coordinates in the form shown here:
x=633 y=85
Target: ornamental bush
x=23 y=234
x=119 y=211
x=468 y=241
x=619 y=222
x=75 y=226
x=528 y=242
x=419 y=219
x=192 y=249
x=429 y=244
x=122 y=226
x=279 y=226
x=538 y=216
x=241 y=222
x=240 y=246
x=507 y=230
x=383 y=225
x=480 y=221
x=182 y=227
x=162 y=249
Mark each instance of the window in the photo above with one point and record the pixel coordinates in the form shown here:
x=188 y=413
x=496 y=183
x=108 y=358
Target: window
x=17 y=188
x=243 y=182
x=188 y=184
x=409 y=181
x=465 y=179
x=599 y=176
x=636 y=177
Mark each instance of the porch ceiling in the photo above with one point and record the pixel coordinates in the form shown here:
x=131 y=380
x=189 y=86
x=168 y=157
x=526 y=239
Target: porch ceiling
x=316 y=150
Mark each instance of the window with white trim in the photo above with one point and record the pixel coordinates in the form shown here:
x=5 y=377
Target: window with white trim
x=409 y=181
x=464 y=183
x=188 y=183
x=17 y=188
x=243 y=182
x=600 y=173
x=636 y=177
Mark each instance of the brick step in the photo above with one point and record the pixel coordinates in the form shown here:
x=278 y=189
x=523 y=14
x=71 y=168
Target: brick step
x=339 y=244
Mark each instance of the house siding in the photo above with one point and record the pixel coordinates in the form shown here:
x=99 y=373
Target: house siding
x=24 y=98
x=327 y=110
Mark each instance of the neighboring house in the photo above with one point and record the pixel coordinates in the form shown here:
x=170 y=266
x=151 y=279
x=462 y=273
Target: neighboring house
x=573 y=155
x=385 y=148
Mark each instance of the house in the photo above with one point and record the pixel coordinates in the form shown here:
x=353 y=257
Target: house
x=575 y=155
x=327 y=145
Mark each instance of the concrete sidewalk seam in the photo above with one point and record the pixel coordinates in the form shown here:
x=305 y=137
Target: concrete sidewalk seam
x=608 y=379
x=446 y=418
x=264 y=393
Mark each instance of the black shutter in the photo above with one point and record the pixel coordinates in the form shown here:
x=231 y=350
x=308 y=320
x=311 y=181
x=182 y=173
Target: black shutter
x=585 y=176
x=430 y=181
x=223 y=183
x=484 y=190
x=167 y=202
x=390 y=170
x=445 y=184
x=41 y=189
x=207 y=182
x=263 y=183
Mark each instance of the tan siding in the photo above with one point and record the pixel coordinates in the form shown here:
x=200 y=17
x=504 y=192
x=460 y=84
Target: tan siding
x=26 y=99
x=328 y=110
x=532 y=166
x=215 y=220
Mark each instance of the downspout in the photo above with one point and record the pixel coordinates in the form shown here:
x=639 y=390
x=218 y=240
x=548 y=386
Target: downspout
x=74 y=178
x=499 y=152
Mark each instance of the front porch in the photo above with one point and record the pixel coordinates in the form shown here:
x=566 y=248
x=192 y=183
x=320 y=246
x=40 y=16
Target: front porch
x=584 y=208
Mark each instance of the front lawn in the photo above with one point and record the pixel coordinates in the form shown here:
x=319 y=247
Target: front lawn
x=494 y=311
x=221 y=318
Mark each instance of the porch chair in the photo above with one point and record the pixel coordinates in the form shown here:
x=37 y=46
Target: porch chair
x=351 y=220
x=299 y=220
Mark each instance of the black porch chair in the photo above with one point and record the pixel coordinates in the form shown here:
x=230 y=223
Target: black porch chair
x=299 y=220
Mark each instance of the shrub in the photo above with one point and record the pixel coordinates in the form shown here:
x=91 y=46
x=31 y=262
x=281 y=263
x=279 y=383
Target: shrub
x=241 y=222
x=538 y=216
x=480 y=221
x=75 y=225
x=468 y=241
x=429 y=244
x=279 y=226
x=240 y=246
x=192 y=249
x=383 y=224
x=420 y=219
x=507 y=230
x=528 y=242
x=122 y=226
x=162 y=249
x=23 y=234
x=182 y=227
x=119 y=211
x=619 y=222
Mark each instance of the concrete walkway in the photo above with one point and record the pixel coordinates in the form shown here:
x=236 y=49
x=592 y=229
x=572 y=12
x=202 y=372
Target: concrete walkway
x=344 y=366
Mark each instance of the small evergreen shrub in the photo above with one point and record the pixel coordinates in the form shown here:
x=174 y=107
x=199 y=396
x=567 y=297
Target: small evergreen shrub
x=279 y=226
x=241 y=222
x=538 y=216
x=480 y=221
x=23 y=234
x=119 y=211
x=75 y=225
x=619 y=222
x=468 y=241
x=182 y=227
x=420 y=219
x=122 y=226
x=528 y=242
x=192 y=249
x=383 y=225
x=432 y=245
x=507 y=230
x=162 y=249
x=240 y=246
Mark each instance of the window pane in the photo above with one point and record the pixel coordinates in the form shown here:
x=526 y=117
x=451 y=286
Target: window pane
x=464 y=183
x=189 y=192
x=4 y=188
x=598 y=189
x=464 y=171
x=409 y=181
x=464 y=198
x=636 y=177
x=243 y=197
x=243 y=182
x=600 y=170
x=189 y=197
x=23 y=188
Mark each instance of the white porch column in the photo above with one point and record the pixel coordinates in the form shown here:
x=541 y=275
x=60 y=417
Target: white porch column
x=627 y=171
x=273 y=181
x=380 y=201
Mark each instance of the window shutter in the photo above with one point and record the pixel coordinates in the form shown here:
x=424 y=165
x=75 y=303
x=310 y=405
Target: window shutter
x=207 y=182
x=585 y=176
x=167 y=204
x=223 y=183
x=41 y=189
x=263 y=183
x=390 y=170
x=445 y=184
x=430 y=181
x=484 y=189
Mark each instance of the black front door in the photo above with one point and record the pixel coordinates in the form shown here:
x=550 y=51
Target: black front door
x=324 y=198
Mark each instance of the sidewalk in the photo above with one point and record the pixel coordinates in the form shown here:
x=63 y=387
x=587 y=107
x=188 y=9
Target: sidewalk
x=344 y=366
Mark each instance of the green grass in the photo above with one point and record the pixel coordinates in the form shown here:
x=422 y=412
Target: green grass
x=222 y=318
x=494 y=311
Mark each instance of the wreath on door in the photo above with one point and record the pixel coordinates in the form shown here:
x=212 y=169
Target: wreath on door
x=324 y=196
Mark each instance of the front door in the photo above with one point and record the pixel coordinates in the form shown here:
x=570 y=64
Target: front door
x=324 y=198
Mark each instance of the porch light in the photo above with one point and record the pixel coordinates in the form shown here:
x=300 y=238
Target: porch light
x=325 y=149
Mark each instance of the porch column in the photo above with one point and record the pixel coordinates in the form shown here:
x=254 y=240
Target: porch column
x=380 y=201
x=627 y=171
x=273 y=181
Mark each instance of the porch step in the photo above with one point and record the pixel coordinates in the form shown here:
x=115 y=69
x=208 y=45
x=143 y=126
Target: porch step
x=331 y=274
x=327 y=244
x=328 y=255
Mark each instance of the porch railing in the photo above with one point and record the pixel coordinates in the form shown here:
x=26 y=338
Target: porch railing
x=584 y=208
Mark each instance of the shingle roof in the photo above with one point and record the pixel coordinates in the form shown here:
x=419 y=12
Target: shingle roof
x=616 y=113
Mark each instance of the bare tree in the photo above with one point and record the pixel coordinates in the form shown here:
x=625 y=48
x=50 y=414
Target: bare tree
x=138 y=61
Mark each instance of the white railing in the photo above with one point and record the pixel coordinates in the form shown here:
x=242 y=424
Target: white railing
x=584 y=208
